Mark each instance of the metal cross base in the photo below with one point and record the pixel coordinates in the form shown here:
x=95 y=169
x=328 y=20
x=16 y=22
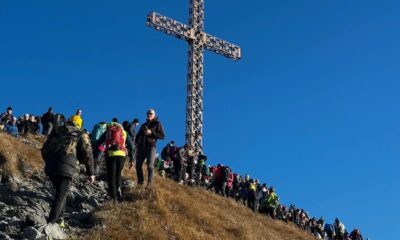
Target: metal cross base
x=198 y=40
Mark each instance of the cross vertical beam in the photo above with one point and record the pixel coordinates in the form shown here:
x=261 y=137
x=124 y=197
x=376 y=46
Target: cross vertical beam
x=194 y=104
x=197 y=40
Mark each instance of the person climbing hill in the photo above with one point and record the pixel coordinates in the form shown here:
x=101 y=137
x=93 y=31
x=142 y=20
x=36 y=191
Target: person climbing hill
x=117 y=146
x=62 y=149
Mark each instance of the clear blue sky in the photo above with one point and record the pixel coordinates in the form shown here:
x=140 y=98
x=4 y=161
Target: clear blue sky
x=312 y=108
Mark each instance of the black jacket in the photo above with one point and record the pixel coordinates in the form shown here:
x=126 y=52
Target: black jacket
x=48 y=117
x=157 y=132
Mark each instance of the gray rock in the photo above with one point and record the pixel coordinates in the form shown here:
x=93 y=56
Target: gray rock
x=31 y=233
x=53 y=231
x=3 y=226
x=35 y=219
x=4 y=236
x=85 y=207
x=93 y=201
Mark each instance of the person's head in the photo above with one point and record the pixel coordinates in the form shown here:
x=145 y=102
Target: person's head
x=125 y=124
x=32 y=118
x=271 y=189
x=50 y=110
x=135 y=122
x=26 y=116
x=115 y=120
x=79 y=112
x=337 y=221
x=151 y=114
x=247 y=177
x=172 y=143
x=9 y=110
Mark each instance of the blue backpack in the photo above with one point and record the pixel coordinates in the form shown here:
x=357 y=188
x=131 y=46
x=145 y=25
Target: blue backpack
x=97 y=131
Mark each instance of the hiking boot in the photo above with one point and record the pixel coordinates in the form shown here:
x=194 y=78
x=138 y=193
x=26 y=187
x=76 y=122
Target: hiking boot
x=61 y=223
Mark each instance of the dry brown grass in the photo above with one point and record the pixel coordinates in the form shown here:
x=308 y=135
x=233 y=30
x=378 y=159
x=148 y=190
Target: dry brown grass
x=171 y=211
x=19 y=156
x=168 y=211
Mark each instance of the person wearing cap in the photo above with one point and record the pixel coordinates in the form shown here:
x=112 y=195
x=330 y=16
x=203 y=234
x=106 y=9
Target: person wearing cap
x=146 y=146
x=77 y=118
x=47 y=122
x=7 y=116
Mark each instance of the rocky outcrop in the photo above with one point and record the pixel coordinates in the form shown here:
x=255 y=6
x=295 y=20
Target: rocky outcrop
x=25 y=205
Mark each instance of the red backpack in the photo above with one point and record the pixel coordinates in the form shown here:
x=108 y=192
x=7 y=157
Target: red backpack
x=115 y=138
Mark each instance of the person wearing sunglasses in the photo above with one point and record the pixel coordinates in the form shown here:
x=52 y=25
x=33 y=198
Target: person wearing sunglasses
x=146 y=146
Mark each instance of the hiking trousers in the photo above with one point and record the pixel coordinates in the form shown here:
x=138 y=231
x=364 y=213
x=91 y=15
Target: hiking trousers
x=149 y=153
x=114 y=165
x=178 y=168
x=61 y=184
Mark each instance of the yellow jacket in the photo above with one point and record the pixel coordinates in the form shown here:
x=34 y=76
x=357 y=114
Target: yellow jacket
x=77 y=120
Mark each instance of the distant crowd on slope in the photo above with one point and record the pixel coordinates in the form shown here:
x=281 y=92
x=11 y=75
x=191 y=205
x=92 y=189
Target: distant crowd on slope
x=113 y=143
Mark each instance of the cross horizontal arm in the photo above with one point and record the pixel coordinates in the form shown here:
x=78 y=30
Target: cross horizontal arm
x=222 y=47
x=169 y=26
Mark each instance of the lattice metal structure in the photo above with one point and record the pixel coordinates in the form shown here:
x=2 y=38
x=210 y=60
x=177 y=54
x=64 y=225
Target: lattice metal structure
x=197 y=40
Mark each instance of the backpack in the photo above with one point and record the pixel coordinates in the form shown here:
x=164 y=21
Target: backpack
x=174 y=152
x=329 y=228
x=97 y=131
x=62 y=141
x=165 y=152
x=115 y=138
x=225 y=174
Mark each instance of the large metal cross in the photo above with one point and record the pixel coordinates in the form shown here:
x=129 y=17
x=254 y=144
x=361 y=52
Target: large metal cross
x=198 y=40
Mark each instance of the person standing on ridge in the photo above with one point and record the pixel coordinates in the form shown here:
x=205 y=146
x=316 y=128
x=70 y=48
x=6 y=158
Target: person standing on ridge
x=7 y=116
x=64 y=146
x=146 y=141
x=48 y=122
x=77 y=118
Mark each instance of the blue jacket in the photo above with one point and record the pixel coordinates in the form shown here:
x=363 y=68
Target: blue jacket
x=11 y=129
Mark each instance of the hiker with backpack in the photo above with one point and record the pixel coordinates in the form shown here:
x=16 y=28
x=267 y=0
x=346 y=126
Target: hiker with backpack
x=117 y=146
x=98 y=153
x=146 y=146
x=62 y=149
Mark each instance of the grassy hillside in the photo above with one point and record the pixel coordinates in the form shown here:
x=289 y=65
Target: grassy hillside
x=168 y=211
x=171 y=211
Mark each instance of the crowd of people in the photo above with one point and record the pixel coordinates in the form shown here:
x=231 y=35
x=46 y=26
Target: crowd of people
x=185 y=167
x=113 y=143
